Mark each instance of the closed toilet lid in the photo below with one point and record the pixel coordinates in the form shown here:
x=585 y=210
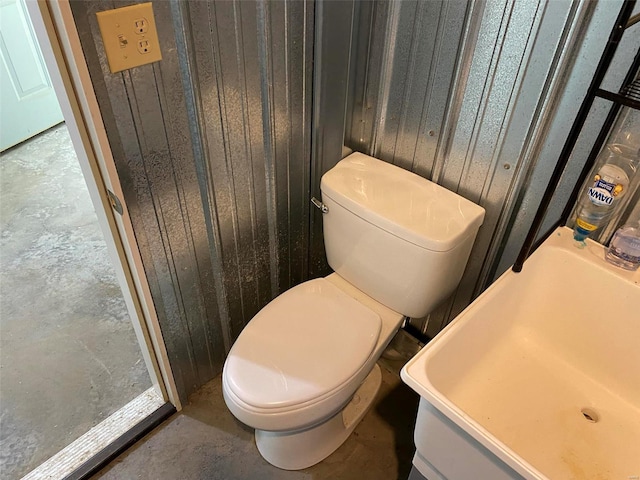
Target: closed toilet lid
x=305 y=343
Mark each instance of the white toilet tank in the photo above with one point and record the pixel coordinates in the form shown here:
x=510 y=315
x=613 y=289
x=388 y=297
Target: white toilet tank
x=398 y=237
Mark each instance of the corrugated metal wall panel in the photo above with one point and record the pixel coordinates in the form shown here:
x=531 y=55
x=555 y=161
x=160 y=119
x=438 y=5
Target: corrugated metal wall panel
x=148 y=129
x=212 y=146
x=334 y=28
x=487 y=140
x=232 y=126
x=218 y=150
x=461 y=93
x=593 y=25
x=404 y=76
x=251 y=71
x=405 y=56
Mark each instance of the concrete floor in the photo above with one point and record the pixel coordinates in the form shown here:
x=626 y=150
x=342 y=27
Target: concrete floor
x=68 y=354
x=205 y=441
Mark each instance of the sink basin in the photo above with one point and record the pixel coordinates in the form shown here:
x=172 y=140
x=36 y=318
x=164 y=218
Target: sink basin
x=539 y=378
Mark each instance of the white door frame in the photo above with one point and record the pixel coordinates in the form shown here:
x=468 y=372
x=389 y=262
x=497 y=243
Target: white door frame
x=58 y=38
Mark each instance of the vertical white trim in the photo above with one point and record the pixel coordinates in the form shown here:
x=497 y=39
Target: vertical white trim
x=56 y=32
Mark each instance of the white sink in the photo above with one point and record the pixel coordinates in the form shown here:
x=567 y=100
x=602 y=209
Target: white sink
x=508 y=386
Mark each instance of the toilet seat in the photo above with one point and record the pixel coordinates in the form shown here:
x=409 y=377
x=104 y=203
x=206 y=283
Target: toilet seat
x=301 y=346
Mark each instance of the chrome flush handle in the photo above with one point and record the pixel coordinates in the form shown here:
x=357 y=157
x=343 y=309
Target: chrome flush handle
x=323 y=208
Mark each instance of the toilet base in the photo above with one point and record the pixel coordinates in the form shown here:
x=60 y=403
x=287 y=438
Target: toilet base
x=302 y=449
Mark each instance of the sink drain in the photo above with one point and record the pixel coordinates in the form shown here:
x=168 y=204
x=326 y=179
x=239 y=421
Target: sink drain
x=590 y=414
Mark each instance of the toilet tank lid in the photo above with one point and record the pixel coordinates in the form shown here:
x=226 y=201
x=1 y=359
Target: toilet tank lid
x=401 y=202
x=303 y=345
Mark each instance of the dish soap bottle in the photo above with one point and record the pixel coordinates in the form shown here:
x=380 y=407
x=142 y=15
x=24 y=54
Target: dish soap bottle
x=598 y=201
x=624 y=249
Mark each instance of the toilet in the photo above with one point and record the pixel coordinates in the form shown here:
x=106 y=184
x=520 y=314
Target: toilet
x=303 y=371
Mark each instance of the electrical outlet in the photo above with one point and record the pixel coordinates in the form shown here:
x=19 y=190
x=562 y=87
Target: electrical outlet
x=141 y=25
x=129 y=36
x=144 y=47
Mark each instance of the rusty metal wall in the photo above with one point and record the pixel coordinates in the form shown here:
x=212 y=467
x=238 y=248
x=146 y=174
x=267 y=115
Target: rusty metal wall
x=212 y=146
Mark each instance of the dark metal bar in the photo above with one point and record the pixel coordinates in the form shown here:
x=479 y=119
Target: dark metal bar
x=633 y=20
x=590 y=162
x=597 y=146
x=601 y=70
x=618 y=98
x=110 y=452
x=546 y=235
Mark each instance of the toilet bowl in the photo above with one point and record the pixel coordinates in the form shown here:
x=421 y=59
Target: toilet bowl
x=303 y=371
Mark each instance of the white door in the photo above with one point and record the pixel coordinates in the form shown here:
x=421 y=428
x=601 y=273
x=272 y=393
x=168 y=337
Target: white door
x=28 y=103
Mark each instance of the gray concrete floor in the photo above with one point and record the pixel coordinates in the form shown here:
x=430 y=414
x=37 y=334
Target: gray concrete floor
x=205 y=441
x=68 y=354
